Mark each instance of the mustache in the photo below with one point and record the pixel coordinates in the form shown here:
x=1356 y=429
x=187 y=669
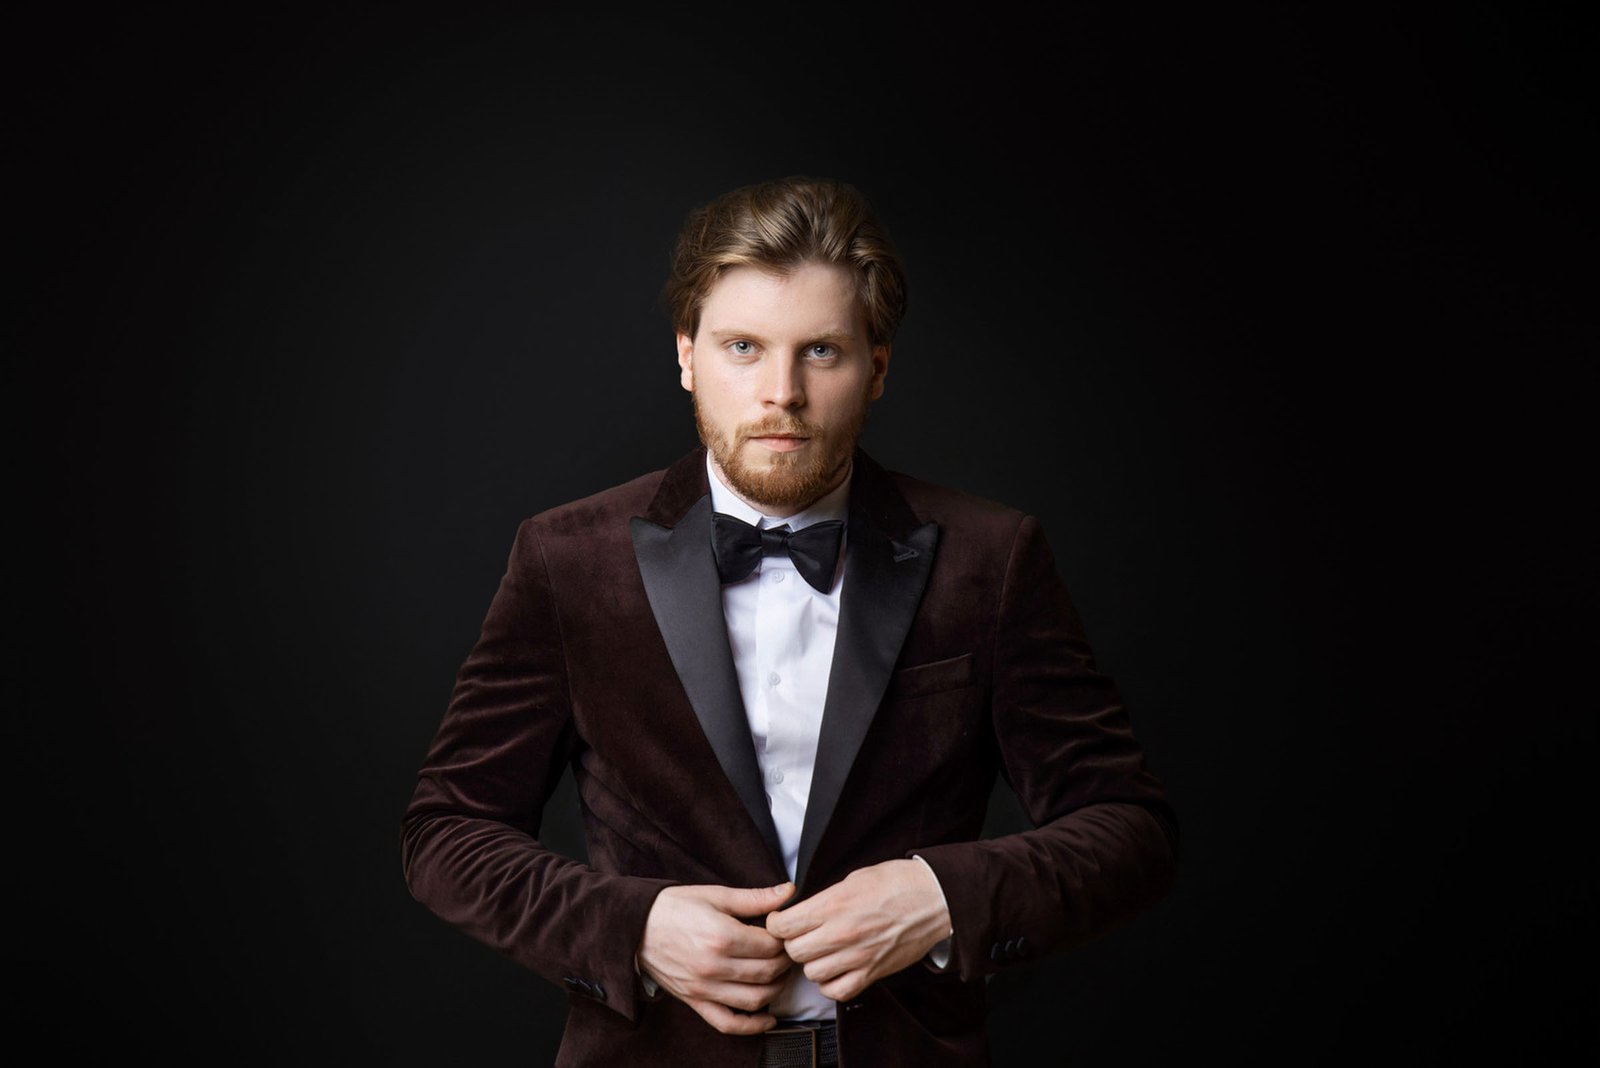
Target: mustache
x=778 y=425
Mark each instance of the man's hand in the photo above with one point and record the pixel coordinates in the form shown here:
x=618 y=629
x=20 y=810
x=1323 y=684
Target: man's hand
x=697 y=949
x=879 y=920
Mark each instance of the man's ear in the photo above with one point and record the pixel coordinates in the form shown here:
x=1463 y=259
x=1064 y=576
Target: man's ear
x=686 y=361
x=880 y=370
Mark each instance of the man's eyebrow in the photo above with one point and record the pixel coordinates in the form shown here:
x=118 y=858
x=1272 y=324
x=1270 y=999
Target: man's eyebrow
x=832 y=337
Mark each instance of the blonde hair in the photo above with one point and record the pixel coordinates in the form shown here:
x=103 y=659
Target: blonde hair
x=777 y=226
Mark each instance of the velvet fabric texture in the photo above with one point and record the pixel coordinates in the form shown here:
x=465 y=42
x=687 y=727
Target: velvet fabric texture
x=959 y=656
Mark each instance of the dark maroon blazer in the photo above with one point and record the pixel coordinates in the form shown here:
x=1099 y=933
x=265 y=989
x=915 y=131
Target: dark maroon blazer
x=958 y=656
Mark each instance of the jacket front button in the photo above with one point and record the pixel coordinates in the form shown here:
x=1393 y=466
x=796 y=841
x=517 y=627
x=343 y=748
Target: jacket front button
x=994 y=951
x=1011 y=950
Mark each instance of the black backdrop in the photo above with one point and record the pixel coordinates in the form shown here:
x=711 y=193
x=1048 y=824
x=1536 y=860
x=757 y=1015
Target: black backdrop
x=1271 y=317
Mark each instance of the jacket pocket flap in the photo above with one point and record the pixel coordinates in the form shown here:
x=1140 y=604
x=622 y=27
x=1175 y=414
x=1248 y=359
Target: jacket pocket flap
x=928 y=678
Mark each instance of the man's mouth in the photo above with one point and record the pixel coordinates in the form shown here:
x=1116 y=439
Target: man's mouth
x=780 y=442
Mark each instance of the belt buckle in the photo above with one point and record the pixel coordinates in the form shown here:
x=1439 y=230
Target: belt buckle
x=802 y=1029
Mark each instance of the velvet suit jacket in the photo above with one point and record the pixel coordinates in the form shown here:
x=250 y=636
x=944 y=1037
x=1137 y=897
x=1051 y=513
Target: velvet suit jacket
x=958 y=657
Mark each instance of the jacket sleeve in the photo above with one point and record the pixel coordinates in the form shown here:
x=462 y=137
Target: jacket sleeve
x=1104 y=843
x=469 y=838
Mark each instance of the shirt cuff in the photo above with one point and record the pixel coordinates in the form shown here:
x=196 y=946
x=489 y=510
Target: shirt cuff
x=939 y=955
x=649 y=984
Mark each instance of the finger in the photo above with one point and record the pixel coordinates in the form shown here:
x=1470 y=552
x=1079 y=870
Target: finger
x=745 y=940
x=746 y=997
x=751 y=969
x=845 y=986
x=729 y=1022
x=748 y=901
x=808 y=947
x=798 y=919
x=820 y=941
x=831 y=966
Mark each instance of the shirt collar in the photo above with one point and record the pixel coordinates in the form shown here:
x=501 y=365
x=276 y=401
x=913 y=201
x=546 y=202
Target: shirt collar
x=833 y=505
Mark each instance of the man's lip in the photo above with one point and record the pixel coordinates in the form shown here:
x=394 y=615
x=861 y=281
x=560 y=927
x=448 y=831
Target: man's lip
x=780 y=441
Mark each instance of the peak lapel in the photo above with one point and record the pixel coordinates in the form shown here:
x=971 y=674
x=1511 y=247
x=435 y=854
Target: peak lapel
x=673 y=547
x=887 y=561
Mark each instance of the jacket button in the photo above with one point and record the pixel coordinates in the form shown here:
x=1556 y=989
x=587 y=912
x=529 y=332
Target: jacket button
x=994 y=951
x=1022 y=946
x=1010 y=950
x=598 y=991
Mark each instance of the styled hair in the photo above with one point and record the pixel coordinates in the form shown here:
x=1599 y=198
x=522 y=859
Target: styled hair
x=777 y=226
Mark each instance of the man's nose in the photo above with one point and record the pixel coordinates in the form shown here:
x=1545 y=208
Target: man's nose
x=783 y=385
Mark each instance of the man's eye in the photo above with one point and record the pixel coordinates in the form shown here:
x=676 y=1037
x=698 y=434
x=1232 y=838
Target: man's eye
x=742 y=348
x=820 y=352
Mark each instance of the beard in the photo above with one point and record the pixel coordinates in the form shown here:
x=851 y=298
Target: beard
x=782 y=483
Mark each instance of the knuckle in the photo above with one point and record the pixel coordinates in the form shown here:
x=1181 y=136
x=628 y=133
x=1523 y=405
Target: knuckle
x=842 y=989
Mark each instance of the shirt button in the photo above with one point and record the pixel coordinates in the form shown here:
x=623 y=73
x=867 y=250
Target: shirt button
x=777 y=576
x=774 y=678
x=775 y=776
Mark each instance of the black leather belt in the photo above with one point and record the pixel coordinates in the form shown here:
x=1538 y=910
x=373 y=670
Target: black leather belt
x=801 y=1044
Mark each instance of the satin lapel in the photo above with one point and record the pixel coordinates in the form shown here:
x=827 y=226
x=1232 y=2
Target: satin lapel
x=680 y=579
x=884 y=580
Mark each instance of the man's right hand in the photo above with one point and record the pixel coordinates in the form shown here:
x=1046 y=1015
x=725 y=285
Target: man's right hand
x=697 y=948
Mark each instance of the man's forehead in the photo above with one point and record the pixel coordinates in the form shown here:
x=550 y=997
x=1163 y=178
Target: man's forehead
x=813 y=296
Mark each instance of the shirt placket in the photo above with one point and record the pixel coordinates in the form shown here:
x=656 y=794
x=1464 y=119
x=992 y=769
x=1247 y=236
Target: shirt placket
x=775 y=623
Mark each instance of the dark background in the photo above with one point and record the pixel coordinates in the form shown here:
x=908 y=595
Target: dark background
x=1271 y=316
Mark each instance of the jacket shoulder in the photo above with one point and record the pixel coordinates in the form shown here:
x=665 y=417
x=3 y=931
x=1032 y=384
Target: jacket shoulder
x=598 y=511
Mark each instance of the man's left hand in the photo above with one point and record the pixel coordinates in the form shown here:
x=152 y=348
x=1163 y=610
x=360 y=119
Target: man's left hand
x=875 y=922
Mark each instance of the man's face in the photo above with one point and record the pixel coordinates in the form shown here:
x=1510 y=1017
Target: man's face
x=782 y=372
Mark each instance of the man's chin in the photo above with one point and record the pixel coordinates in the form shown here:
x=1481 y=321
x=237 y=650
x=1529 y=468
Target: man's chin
x=780 y=491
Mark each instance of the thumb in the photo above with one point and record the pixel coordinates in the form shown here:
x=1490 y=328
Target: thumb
x=749 y=901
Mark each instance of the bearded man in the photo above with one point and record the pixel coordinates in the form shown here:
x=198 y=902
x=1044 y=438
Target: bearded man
x=785 y=680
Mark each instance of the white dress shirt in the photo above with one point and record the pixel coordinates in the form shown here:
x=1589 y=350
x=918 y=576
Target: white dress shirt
x=781 y=631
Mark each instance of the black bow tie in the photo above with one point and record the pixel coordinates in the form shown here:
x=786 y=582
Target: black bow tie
x=740 y=546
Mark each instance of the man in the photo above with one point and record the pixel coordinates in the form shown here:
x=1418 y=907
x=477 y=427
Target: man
x=785 y=680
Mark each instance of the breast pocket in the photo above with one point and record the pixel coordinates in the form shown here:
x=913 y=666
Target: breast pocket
x=934 y=677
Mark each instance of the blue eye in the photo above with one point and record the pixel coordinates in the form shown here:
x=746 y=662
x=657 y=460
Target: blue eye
x=742 y=348
x=820 y=352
